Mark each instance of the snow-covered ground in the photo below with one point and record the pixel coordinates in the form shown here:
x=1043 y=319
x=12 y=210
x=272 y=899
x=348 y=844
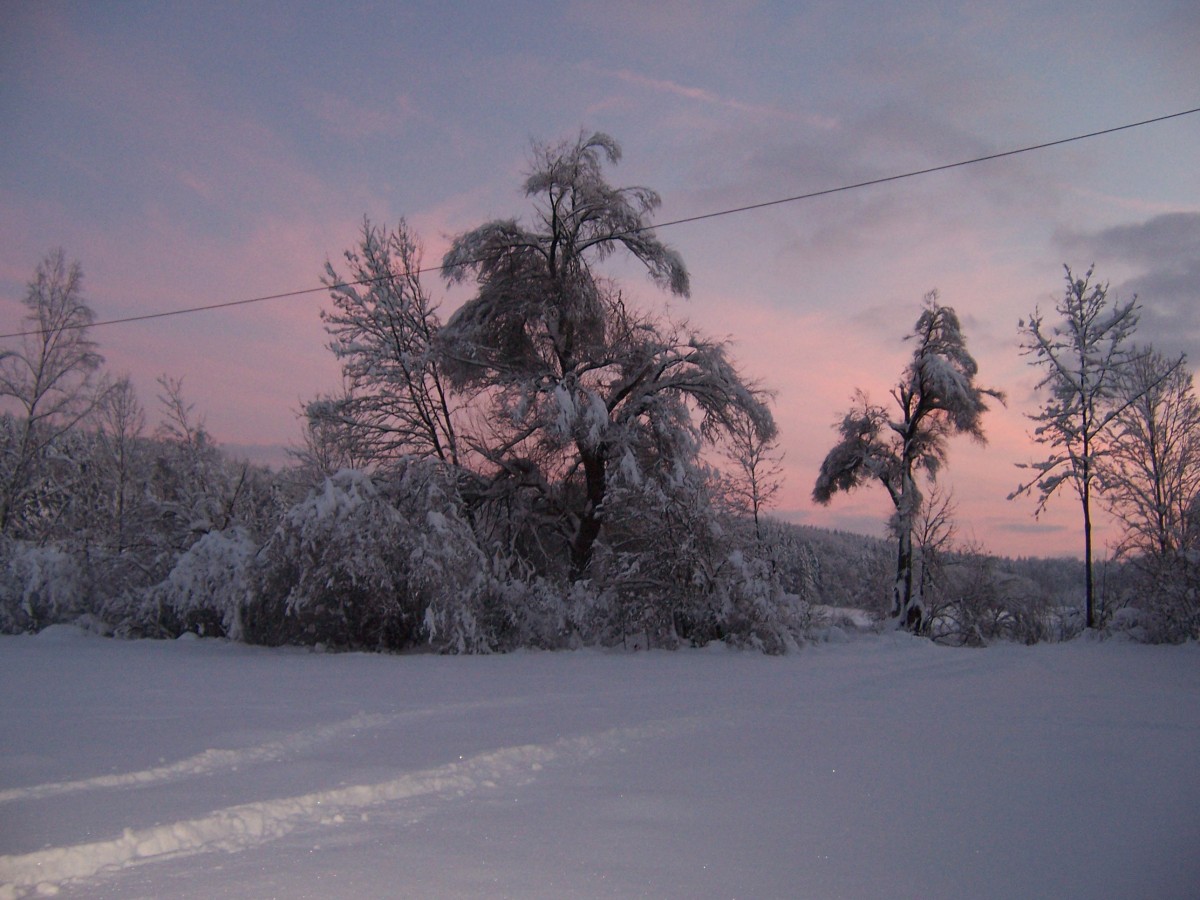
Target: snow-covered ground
x=879 y=767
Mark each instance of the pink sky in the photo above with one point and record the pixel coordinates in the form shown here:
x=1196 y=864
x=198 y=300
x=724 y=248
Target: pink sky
x=188 y=155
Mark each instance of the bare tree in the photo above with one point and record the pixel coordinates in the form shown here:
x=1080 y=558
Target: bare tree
x=396 y=400
x=331 y=440
x=934 y=532
x=51 y=378
x=1152 y=469
x=121 y=422
x=198 y=490
x=1084 y=358
x=757 y=463
x=1151 y=475
x=936 y=397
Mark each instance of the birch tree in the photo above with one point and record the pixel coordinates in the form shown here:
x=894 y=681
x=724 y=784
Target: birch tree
x=50 y=379
x=936 y=398
x=121 y=421
x=757 y=472
x=1083 y=357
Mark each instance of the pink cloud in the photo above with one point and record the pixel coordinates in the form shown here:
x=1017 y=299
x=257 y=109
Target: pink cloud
x=705 y=96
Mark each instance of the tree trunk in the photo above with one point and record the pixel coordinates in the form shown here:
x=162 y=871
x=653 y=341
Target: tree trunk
x=908 y=613
x=1089 y=596
x=905 y=609
x=596 y=483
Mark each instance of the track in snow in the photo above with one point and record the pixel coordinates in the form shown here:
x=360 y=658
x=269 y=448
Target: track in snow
x=246 y=825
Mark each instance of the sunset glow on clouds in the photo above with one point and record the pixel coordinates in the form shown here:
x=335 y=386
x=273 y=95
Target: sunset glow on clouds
x=189 y=154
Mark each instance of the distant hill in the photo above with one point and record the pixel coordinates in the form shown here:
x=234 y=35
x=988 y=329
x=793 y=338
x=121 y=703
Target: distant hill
x=841 y=568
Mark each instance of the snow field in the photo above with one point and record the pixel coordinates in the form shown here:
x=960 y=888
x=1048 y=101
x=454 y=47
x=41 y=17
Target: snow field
x=879 y=767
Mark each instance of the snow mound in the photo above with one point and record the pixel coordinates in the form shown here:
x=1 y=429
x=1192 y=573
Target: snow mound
x=63 y=634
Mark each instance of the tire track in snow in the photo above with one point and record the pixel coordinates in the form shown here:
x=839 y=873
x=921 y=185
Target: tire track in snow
x=213 y=760
x=240 y=827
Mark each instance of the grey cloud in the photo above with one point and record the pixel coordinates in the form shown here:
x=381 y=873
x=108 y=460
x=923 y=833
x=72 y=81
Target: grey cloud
x=1160 y=240
x=1017 y=527
x=1165 y=253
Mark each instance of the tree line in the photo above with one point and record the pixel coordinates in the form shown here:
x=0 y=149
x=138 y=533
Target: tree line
x=1120 y=422
x=552 y=466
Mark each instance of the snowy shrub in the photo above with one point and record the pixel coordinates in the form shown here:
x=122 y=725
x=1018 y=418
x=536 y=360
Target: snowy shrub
x=40 y=586
x=374 y=564
x=208 y=587
x=974 y=603
x=654 y=568
x=333 y=571
x=671 y=571
x=1127 y=621
x=758 y=613
x=1161 y=599
x=504 y=612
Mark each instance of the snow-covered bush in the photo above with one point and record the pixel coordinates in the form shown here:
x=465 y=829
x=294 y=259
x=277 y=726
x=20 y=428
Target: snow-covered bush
x=381 y=564
x=333 y=571
x=39 y=586
x=974 y=602
x=208 y=587
x=672 y=571
x=1160 y=599
x=758 y=613
x=504 y=612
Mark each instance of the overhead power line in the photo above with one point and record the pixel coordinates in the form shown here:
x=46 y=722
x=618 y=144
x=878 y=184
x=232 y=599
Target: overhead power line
x=683 y=221
x=942 y=168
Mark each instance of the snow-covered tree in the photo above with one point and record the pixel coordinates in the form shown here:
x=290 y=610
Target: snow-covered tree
x=107 y=519
x=330 y=440
x=396 y=401
x=40 y=585
x=51 y=382
x=196 y=489
x=121 y=422
x=937 y=397
x=1084 y=358
x=575 y=382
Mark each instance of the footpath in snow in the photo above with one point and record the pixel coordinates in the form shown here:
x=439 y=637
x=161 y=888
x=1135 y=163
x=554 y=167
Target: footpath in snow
x=881 y=767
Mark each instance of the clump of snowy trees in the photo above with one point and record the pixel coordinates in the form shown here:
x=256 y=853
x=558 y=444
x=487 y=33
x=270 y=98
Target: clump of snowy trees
x=100 y=519
x=1120 y=423
x=568 y=426
x=552 y=466
x=530 y=472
